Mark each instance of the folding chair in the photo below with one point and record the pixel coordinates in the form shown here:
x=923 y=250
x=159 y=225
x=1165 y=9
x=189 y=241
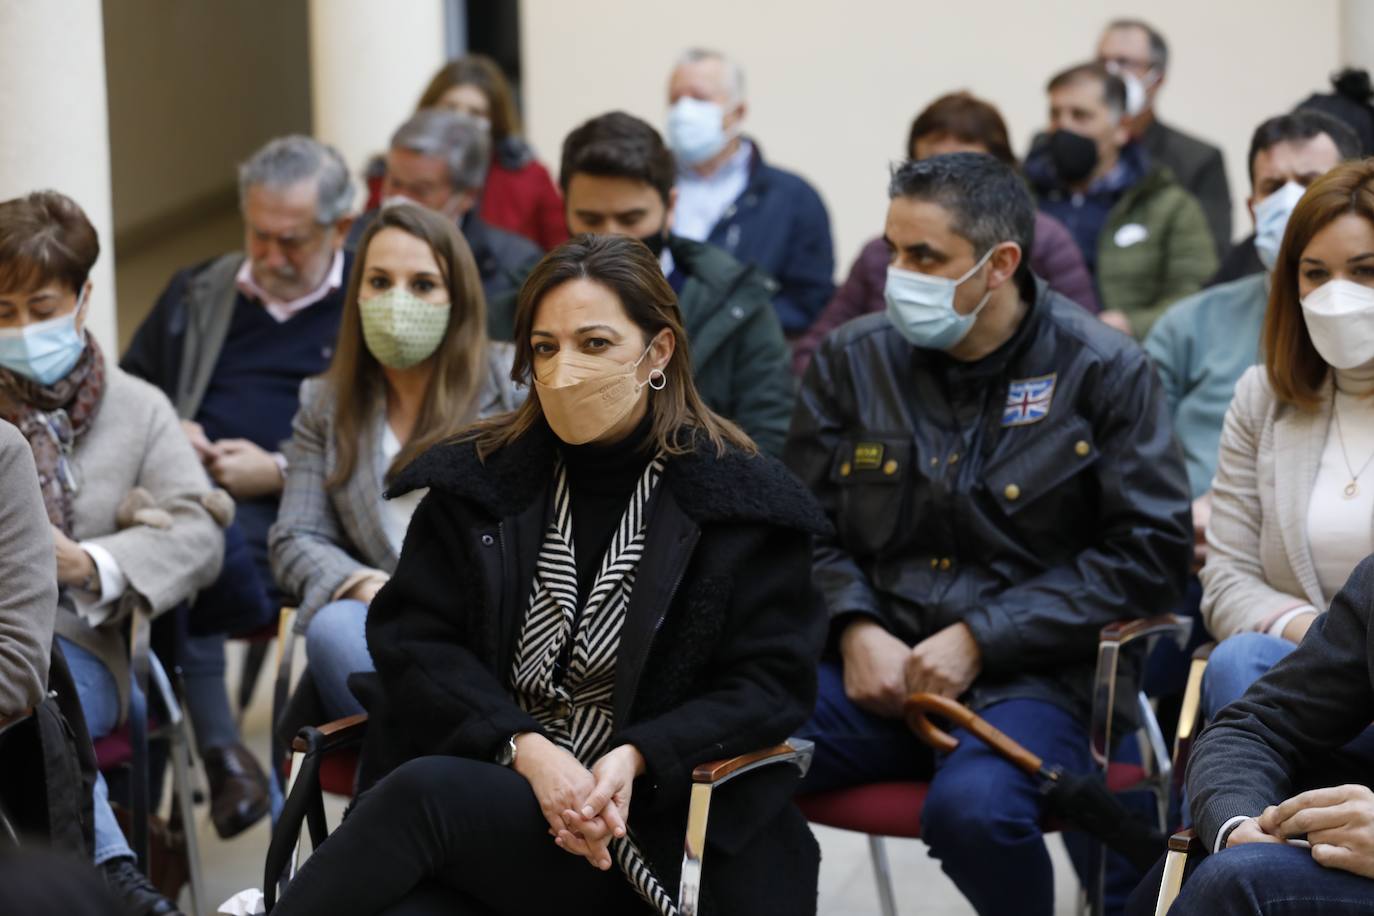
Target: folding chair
x=1184 y=843
x=327 y=755
x=128 y=746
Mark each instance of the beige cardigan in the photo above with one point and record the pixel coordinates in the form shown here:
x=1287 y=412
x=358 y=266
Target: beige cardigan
x=28 y=578
x=1259 y=563
x=136 y=441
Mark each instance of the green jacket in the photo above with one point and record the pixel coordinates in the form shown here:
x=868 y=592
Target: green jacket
x=739 y=356
x=1143 y=274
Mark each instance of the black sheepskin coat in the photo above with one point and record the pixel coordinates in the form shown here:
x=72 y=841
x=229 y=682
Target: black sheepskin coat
x=717 y=658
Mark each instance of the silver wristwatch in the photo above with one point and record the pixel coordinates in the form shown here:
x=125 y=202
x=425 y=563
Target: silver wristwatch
x=506 y=756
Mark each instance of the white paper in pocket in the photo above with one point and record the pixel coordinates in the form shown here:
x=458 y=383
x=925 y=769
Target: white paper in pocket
x=248 y=902
x=1130 y=234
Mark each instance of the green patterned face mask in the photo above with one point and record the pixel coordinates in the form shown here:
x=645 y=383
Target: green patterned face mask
x=401 y=329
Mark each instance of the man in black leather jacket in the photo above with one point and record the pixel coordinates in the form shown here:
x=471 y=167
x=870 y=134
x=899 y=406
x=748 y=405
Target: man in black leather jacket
x=1003 y=478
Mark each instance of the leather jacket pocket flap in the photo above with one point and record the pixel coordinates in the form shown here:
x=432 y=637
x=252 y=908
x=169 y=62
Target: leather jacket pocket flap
x=871 y=472
x=1031 y=470
x=871 y=460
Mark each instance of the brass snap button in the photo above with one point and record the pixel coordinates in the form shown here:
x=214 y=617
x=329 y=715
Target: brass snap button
x=1012 y=492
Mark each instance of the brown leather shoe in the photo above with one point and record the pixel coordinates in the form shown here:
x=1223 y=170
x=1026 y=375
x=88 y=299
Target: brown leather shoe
x=238 y=789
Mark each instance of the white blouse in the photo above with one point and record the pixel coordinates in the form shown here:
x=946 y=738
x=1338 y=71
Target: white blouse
x=1340 y=526
x=396 y=512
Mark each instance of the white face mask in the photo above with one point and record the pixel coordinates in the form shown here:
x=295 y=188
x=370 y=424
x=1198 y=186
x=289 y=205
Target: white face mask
x=696 y=130
x=921 y=306
x=1271 y=219
x=1340 y=320
x=1137 y=89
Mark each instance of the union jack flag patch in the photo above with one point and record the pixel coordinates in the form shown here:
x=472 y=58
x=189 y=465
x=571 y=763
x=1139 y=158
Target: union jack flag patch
x=1028 y=400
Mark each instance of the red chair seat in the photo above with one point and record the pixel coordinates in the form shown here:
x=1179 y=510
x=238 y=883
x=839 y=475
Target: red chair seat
x=894 y=808
x=338 y=772
x=880 y=808
x=116 y=749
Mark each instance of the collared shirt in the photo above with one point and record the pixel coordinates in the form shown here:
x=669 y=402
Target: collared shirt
x=703 y=199
x=283 y=310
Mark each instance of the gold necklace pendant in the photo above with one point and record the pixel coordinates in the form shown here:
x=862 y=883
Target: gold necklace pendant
x=1352 y=490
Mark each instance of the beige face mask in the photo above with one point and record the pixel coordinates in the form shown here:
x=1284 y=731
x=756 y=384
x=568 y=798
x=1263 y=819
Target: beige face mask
x=585 y=396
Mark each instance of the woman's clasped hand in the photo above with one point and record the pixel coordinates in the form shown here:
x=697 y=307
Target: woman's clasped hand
x=586 y=809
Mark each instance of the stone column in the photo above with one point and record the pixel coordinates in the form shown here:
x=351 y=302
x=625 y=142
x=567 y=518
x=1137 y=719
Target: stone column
x=56 y=129
x=369 y=62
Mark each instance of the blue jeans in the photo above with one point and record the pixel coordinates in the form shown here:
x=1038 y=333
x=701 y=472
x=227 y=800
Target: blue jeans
x=1270 y=880
x=99 y=696
x=1236 y=663
x=335 y=647
x=982 y=817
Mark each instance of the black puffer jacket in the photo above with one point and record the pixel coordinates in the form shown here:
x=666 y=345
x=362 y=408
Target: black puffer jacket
x=717 y=657
x=1035 y=495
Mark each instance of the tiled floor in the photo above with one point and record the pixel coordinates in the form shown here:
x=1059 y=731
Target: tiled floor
x=846 y=882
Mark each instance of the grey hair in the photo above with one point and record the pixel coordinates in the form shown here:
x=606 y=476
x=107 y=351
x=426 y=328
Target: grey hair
x=987 y=200
x=1159 y=48
x=296 y=158
x=458 y=139
x=734 y=73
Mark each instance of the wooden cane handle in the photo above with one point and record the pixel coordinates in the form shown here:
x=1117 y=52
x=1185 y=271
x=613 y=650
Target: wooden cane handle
x=919 y=706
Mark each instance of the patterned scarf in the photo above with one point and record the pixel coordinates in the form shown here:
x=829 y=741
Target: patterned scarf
x=574 y=705
x=52 y=417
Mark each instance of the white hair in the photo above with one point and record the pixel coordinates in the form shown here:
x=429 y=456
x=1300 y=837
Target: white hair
x=734 y=73
x=288 y=160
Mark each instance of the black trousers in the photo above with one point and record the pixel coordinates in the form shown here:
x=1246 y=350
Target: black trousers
x=448 y=835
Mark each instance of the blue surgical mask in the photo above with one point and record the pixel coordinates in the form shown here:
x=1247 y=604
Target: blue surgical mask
x=921 y=306
x=696 y=130
x=1271 y=219
x=46 y=350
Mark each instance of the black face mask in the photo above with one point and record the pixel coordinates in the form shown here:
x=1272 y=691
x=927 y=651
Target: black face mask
x=655 y=241
x=1074 y=155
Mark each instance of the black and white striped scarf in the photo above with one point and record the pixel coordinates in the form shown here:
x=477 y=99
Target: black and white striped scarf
x=576 y=712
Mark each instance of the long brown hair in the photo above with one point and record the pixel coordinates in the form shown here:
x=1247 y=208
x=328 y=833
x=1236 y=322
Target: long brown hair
x=627 y=268
x=1297 y=371
x=484 y=74
x=355 y=378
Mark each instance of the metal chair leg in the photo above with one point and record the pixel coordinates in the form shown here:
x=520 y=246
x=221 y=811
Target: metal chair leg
x=253 y=660
x=182 y=770
x=882 y=874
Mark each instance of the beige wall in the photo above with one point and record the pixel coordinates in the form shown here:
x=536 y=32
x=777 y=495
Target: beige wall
x=833 y=86
x=194 y=88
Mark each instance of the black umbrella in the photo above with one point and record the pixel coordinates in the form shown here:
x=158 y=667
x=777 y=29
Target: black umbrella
x=1082 y=801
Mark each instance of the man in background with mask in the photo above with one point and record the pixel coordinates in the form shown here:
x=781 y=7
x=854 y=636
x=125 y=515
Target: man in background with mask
x=730 y=197
x=229 y=342
x=438 y=159
x=1139 y=55
x=1143 y=237
x=618 y=179
x=1003 y=481
x=1203 y=344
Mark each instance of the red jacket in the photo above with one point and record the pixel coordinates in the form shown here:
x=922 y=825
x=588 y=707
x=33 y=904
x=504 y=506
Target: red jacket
x=525 y=201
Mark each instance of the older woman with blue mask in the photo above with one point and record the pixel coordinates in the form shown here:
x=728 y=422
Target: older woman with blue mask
x=102 y=442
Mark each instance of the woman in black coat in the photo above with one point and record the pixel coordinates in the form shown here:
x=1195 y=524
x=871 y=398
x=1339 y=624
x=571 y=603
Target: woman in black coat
x=599 y=592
